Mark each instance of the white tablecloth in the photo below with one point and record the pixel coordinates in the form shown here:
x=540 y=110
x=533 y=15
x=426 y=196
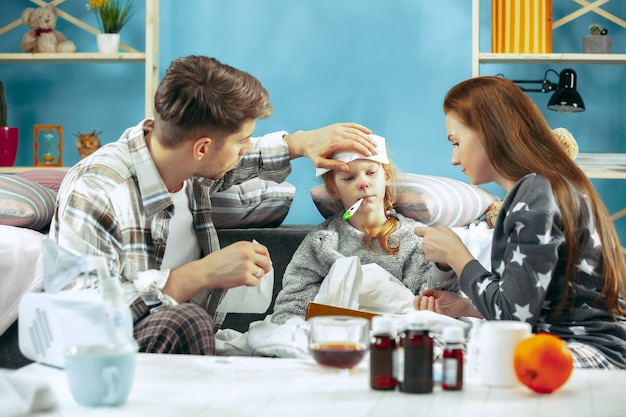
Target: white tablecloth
x=190 y=386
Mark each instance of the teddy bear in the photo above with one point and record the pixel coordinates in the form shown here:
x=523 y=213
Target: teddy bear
x=571 y=147
x=42 y=37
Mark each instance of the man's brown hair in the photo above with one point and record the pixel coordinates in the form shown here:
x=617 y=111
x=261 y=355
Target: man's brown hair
x=200 y=96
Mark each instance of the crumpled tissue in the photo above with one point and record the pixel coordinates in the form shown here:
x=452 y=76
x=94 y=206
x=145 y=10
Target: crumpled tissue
x=244 y=299
x=22 y=395
x=342 y=285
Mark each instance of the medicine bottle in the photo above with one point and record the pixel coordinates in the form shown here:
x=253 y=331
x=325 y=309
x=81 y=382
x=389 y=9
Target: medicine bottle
x=417 y=343
x=452 y=369
x=382 y=349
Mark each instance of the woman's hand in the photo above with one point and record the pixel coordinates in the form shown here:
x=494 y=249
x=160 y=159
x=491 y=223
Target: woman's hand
x=445 y=302
x=443 y=246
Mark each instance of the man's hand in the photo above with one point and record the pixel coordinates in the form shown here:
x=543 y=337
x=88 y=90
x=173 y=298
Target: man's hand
x=445 y=302
x=319 y=144
x=242 y=263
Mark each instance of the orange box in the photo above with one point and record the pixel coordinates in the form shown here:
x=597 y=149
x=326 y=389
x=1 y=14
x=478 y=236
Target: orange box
x=318 y=309
x=521 y=26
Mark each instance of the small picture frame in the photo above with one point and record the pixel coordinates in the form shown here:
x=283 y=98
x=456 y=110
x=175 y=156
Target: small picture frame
x=48 y=145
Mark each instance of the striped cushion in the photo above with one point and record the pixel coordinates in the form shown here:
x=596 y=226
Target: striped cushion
x=25 y=203
x=253 y=203
x=435 y=201
x=49 y=177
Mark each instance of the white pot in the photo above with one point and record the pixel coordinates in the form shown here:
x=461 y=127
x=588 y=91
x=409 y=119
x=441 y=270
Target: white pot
x=108 y=43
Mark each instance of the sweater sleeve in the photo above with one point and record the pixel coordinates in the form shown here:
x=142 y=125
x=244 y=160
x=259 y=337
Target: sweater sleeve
x=418 y=272
x=303 y=276
x=525 y=254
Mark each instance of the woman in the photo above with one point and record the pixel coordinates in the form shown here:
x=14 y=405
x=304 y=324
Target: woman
x=556 y=257
x=375 y=233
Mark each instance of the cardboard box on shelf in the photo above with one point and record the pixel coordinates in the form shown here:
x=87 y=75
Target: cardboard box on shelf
x=521 y=26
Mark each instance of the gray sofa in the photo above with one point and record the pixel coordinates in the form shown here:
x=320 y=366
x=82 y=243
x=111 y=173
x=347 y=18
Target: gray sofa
x=281 y=242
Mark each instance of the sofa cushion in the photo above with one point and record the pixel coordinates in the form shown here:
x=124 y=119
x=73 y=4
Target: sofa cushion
x=253 y=203
x=48 y=177
x=25 y=203
x=432 y=200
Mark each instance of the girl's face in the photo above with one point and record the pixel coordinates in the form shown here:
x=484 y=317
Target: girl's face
x=365 y=179
x=468 y=152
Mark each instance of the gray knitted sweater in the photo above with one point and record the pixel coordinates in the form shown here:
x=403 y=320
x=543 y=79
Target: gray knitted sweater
x=336 y=238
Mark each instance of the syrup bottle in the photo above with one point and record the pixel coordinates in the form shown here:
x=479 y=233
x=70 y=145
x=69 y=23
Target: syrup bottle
x=452 y=369
x=417 y=344
x=382 y=349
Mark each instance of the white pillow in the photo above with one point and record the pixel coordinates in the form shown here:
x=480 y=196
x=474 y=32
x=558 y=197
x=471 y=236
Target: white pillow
x=432 y=200
x=21 y=269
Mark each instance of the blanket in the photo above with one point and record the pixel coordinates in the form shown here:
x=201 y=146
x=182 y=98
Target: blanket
x=378 y=291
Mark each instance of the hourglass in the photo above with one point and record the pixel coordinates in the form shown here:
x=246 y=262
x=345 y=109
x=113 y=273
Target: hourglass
x=48 y=145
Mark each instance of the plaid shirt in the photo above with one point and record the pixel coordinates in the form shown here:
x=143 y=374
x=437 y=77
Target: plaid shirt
x=114 y=204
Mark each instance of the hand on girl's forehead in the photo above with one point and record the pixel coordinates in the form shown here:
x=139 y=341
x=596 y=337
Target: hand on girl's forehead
x=349 y=156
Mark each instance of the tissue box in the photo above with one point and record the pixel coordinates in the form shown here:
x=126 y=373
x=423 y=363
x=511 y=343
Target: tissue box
x=318 y=309
x=521 y=26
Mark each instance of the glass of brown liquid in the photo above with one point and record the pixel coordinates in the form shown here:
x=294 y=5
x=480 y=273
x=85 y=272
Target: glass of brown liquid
x=338 y=341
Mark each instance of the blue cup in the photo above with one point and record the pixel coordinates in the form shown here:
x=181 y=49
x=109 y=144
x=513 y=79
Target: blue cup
x=100 y=375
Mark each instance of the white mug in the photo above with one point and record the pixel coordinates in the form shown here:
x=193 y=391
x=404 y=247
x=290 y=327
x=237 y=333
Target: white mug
x=498 y=341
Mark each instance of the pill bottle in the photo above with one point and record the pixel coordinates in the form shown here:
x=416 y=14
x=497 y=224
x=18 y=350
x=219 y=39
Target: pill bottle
x=452 y=367
x=382 y=351
x=416 y=342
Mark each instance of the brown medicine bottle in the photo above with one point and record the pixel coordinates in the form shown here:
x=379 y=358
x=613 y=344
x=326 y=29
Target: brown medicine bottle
x=382 y=352
x=452 y=369
x=417 y=344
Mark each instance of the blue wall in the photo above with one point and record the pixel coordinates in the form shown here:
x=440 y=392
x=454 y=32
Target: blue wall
x=385 y=63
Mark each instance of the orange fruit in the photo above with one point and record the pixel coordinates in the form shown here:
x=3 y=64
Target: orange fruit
x=543 y=362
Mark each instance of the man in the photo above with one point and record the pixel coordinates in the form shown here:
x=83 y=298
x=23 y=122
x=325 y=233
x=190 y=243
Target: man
x=143 y=202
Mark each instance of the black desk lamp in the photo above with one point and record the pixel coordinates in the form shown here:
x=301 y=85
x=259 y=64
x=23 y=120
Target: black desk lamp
x=566 y=99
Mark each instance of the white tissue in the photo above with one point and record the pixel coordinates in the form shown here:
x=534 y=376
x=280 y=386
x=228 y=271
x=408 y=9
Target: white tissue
x=342 y=285
x=244 y=299
x=381 y=292
x=22 y=395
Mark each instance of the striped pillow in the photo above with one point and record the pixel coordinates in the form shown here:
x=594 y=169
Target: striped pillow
x=49 y=177
x=432 y=200
x=25 y=203
x=253 y=203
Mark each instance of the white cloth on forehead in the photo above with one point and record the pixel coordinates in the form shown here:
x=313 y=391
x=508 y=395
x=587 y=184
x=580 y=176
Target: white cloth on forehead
x=349 y=156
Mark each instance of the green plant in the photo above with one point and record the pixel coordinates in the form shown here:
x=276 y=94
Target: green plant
x=112 y=15
x=595 y=29
x=3 y=105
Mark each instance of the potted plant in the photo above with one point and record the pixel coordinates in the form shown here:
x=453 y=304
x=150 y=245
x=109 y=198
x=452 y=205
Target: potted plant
x=112 y=15
x=598 y=42
x=8 y=135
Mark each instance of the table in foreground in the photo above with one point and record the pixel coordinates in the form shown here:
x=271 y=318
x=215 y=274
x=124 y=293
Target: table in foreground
x=182 y=385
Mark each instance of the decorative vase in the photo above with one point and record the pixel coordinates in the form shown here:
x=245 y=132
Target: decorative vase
x=8 y=145
x=597 y=44
x=108 y=43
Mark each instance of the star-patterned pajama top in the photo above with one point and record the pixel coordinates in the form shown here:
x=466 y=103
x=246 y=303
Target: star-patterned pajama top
x=528 y=272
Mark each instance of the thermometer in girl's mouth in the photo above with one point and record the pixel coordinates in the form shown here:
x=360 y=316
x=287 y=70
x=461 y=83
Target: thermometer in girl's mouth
x=350 y=212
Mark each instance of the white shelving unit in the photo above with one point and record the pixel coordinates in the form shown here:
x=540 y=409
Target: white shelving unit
x=479 y=57
x=595 y=165
x=150 y=56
